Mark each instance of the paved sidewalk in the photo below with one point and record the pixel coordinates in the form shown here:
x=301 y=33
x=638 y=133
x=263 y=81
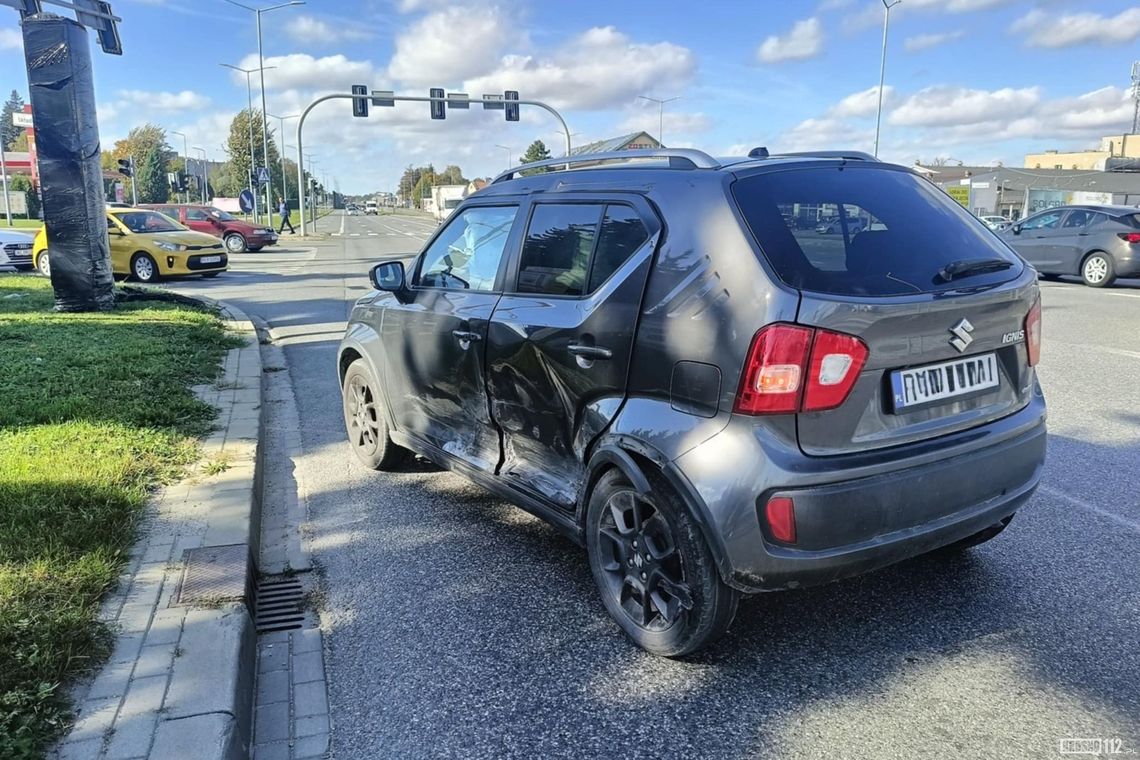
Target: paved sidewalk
x=179 y=682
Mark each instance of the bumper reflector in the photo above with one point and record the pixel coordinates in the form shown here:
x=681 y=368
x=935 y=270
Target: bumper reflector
x=780 y=513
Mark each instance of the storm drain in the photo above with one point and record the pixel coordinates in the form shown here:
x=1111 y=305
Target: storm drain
x=213 y=574
x=281 y=604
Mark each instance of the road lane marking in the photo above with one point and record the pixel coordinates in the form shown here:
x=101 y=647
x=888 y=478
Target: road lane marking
x=354 y=234
x=1118 y=519
x=343 y=218
x=1107 y=349
x=1124 y=295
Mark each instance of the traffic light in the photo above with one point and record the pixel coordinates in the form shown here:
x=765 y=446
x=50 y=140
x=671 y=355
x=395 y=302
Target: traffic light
x=511 y=108
x=172 y=180
x=438 y=107
x=125 y=167
x=360 y=105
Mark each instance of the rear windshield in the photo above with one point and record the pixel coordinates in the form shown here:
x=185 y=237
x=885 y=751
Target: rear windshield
x=865 y=230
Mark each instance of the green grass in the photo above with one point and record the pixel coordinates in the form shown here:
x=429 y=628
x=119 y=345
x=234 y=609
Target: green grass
x=97 y=410
x=29 y=224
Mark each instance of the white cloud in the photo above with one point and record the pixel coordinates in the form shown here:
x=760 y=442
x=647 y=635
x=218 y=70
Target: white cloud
x=926 y=41
x=11 y=39
x=599 y=68
x=186 y=100
x=863 y=103
x=448 y=46
x=944 y=106
x=675 y=123
x=805 y=40
x=872 y=13
x=1047 y=30
x=825 y=133
x=302 y=71
x=315 y=30
x=834 y=5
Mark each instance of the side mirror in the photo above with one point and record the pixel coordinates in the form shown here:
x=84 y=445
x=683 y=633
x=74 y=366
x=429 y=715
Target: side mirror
x=114 y=231
x=1016 y=229
x=389 y=277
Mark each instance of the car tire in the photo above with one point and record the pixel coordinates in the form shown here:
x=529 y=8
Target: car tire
x=211 y=275
x=144 y=268
x=25 y=268
x=43 y=264
x=980 y=537
x=655 y=572
x=365 y=423
x=235 y=243
x=1097 y=270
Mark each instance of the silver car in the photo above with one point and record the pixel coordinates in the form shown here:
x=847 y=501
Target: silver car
x=1099 y=243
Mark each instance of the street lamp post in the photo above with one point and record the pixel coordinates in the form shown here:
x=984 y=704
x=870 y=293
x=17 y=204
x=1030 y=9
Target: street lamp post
x=508 y=150
x=661 y=113
x=185 y=158
x=281 y=131
x=883 y=68
x=205 y=173
x=261 y=68
x=249 y=122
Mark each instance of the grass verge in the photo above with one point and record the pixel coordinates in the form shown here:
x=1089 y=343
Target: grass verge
x=97 y=410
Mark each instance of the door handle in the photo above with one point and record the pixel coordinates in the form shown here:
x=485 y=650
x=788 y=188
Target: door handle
x=466 y=336
x=590 y=352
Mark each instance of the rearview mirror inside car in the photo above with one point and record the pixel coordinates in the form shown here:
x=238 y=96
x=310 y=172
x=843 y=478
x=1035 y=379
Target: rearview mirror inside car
x=389 y=277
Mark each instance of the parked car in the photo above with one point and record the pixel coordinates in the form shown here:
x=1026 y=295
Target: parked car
x=1099 y=243
x=238 y=235
x=148 y=246
x=371 y=208
x=693 y=398
x=15 y=250
x=995 y=223
x=833 y=226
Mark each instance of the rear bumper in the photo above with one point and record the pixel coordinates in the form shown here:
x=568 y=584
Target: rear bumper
x=852 y=517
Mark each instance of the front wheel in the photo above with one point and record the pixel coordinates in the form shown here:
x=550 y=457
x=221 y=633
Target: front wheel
x=235 y=243
x=43 y=263
x=364 y=421
x=653 y=568
x=143 y=268
x=1098 y=270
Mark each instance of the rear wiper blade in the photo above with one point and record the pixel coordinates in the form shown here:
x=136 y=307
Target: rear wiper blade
x=967 y=267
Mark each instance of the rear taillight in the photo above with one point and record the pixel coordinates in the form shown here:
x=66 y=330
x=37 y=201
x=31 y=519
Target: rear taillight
x=1033 y=332
x=1129 y=237
x=792 y=369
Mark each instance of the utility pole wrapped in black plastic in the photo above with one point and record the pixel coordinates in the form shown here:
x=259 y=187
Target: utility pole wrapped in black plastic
x=62 y=93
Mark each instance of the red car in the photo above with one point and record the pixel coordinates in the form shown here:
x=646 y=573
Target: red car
x=239 y=236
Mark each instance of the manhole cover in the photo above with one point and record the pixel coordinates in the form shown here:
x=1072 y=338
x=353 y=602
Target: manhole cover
x=281 y=604
x=212 y=574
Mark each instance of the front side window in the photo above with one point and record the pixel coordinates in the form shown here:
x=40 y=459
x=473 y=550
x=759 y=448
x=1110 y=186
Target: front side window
x=148 y=221
x=1046 y=221
x=467 y=253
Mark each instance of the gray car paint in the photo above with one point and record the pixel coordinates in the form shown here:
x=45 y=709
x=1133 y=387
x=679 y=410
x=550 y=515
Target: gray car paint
x=1062 y=250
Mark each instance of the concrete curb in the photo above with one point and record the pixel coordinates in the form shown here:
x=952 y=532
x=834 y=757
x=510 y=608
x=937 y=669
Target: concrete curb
x=180 y=681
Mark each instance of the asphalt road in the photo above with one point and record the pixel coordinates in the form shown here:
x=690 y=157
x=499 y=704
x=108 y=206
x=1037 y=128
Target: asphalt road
x=458 y=625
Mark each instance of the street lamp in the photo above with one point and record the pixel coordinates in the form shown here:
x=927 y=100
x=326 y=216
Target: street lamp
x=261 y=64
x=508 y=150
x=281 y=131
x=883 y=68
x=185 y=156
x=661 y=112
x=205 y=173
x=249 y=122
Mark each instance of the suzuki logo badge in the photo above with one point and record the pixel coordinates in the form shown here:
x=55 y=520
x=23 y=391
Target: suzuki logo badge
x=962 y=338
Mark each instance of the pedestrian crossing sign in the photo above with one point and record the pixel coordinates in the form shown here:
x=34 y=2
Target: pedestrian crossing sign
x=262 y=175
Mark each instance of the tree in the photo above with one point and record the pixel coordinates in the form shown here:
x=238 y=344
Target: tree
x=452 y=175
x=9 y=132
x=237 y=145
x=146 y=145
x=537 y=151
x=20 y=183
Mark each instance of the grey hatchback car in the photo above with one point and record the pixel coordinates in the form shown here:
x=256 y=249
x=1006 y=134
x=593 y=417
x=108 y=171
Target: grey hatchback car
x=658 y=354
x=1099 y=243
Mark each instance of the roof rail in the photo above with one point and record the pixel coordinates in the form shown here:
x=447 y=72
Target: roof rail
x=850 y=155
x=679 y=158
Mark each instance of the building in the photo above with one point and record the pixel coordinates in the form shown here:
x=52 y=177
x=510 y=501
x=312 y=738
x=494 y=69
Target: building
x=1119 y=152
x=632 y=141
x=1017 y=193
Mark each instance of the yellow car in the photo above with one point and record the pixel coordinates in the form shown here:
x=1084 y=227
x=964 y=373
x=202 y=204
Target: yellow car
x=148 y=245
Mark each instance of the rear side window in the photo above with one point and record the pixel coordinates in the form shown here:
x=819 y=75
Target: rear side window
x=864 y=230
x=621 y=235
x=559 y=243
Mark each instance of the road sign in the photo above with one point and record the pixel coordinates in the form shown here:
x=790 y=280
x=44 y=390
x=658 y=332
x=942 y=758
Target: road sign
x=383 y=98
x=512 y=109
x=118 y=192
x=245 y=201
x=360 y=105
x=262 y=175
x=438 y=108
x=458 y=100
x=21 y=119
x=492 y=102
x=959 y=193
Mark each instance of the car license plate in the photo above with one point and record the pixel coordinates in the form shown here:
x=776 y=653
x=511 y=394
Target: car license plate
x=937 y=382
x=210 y=259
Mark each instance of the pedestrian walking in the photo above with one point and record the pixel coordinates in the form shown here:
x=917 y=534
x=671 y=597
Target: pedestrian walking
x=283 y=210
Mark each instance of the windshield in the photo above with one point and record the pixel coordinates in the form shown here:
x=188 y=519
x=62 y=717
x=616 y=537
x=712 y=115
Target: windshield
x=864 y=230
x=222 y=216
x=147 y=221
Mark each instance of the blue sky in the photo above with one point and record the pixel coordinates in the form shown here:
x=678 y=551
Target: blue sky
x=975 y=80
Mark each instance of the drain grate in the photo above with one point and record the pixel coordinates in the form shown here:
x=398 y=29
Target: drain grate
x=281 y=604
x=213 y=574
